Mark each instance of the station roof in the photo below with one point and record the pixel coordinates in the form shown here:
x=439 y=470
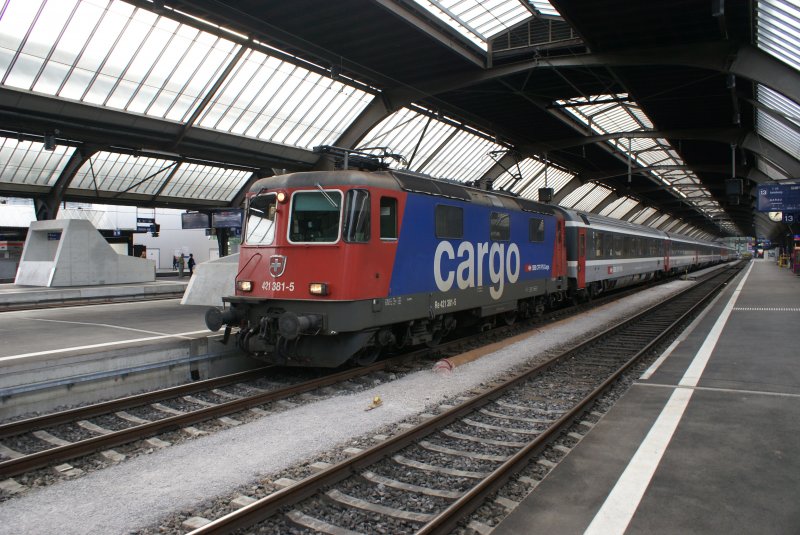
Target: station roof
x=640 y=111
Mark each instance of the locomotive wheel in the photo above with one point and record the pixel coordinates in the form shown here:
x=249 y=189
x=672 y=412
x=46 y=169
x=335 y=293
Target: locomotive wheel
x=367 y=356
x=436 y=340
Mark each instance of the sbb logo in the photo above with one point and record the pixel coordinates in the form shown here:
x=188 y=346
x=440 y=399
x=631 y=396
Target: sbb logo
x=503 y=264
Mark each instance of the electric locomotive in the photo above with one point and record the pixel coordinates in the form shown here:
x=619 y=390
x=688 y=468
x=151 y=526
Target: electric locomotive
x=338 y=266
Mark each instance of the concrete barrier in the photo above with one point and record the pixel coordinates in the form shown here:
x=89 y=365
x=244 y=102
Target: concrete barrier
x=71 y=252
x=211 y=281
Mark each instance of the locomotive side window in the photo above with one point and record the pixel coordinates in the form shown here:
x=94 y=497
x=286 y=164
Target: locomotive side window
x=499 y=226
x=536 y=230
x=315 y=216
x=260 y=224
x=449 y=221
x=356 y=216
x=388 y=218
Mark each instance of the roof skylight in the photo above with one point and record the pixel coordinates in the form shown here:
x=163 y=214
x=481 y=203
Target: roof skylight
x=26 y=162
x=608 y=114
x=433 y=146
x=116 y=55
x=126 y=173
x=777 y=23
x=478 y=20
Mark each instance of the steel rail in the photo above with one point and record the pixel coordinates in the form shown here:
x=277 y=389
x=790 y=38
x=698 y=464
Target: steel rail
x=33 y=461
x=80 y=413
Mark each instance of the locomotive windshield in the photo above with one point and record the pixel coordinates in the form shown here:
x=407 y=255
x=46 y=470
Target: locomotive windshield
x=315 y=216
x=260 y=225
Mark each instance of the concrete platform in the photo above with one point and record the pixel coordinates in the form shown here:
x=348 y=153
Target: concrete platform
x=706 y=442
x=16 y=296
x=70 y=355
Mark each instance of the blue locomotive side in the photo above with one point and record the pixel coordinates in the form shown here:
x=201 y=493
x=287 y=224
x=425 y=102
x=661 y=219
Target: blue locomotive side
x=448 y=245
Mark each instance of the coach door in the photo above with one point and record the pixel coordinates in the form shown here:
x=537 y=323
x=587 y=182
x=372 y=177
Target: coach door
x=581 y=258
x=667 y=247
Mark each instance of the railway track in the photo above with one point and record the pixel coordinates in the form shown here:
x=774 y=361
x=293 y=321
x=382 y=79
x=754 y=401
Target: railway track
x=35 y=443
x=430 y=477
x=70 y=434
x=75 y=433
x=123 y=421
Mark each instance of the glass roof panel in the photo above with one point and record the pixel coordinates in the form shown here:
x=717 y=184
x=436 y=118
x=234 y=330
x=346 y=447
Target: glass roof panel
x=529 y=175
x=661 y=220
x=682 y=228
x=111 y=54
x=575 y=196
x=777 y=22
x=607 y=114
x=619 y=208
x=522 y=173
x=196 y=181
x=785 y=135
x=544 y=7
x=643 y=216
x=477 y=20
x=270 y=99
x=593 y=198
x=123 y=173
x=553 y=178
x=26 y=162
x=433 y=145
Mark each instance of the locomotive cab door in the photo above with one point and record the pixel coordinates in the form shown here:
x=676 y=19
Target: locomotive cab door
x=581 y=258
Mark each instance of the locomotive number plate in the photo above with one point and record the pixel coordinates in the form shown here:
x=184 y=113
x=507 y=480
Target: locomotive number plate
x=277 y=286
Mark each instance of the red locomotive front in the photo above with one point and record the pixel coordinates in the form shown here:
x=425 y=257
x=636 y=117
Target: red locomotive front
x=314 y=243
x=317 y=254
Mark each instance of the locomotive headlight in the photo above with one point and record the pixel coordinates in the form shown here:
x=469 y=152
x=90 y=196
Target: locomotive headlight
x=244 y=286
x=318 y=288
x=281 y=196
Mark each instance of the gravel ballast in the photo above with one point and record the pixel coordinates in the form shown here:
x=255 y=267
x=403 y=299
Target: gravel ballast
x=139 y=492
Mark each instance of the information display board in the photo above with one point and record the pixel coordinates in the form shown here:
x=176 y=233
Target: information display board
x=227 y=218
x=779 y=198
x=194 y=220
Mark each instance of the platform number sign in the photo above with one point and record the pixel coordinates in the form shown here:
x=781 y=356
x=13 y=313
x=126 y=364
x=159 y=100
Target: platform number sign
x=790 y=218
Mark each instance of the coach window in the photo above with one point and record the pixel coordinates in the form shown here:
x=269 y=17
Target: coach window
x=315 y=216
x=618 y=245
x=260 y=224
x=449 y=221
x=499 y=226
x=536 y=230
x=598 y=244
x=356 y=216
x=388 y=218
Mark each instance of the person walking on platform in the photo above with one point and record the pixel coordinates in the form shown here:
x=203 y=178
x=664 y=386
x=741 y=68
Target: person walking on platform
x=191 y=264
x=181 y=264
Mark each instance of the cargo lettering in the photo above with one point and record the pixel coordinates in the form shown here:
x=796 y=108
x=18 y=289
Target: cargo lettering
x=504 y=264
